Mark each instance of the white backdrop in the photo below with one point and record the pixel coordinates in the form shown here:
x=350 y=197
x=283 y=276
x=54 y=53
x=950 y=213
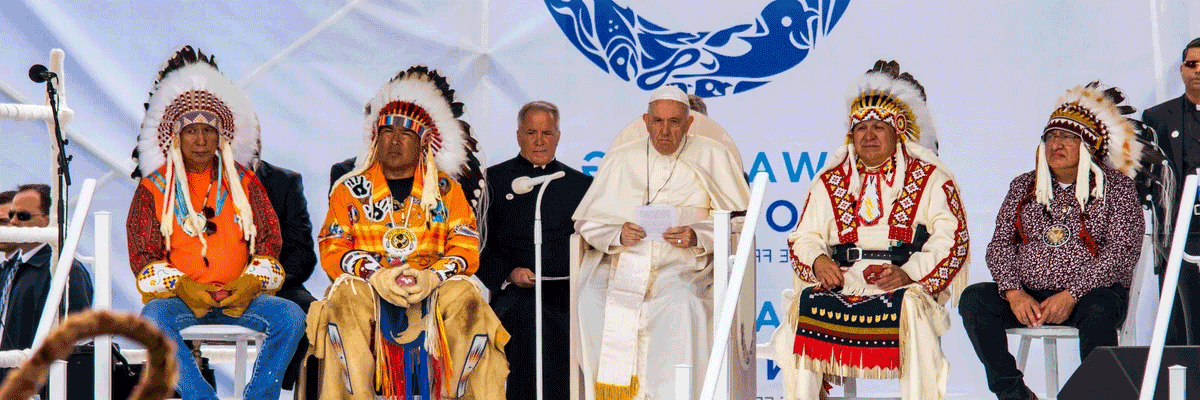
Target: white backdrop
x=991 y=70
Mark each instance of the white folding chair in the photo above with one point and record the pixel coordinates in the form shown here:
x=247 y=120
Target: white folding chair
x=239 y=336
x=1050 y=334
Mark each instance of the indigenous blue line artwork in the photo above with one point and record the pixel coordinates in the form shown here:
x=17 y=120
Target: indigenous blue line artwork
x=708 y=64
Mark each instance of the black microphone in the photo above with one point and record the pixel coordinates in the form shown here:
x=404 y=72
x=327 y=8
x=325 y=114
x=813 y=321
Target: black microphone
x=39 y=73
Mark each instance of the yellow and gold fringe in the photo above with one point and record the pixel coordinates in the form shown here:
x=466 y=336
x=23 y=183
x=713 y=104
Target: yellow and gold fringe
x=605 y=391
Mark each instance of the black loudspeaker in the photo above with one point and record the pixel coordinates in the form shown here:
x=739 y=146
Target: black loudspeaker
x=1116 y=373
x=81 y=374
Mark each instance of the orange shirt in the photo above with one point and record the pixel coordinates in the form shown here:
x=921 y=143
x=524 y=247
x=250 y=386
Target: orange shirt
x=361 y=210
x=228 y=254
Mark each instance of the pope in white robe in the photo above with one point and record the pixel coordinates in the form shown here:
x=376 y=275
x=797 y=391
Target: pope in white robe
x=646 y=297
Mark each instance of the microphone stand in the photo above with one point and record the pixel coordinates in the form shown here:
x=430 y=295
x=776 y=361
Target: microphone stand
x=537 y=282
x=63 y=170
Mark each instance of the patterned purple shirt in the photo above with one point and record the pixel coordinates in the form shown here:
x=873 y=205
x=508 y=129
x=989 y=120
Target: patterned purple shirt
x=1042 y=249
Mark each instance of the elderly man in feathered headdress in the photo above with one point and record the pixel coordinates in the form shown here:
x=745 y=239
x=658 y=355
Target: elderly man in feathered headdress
x=881 y=244
x=1067 y=239
x=399 y=241
x=646 y=297
x=203 y=237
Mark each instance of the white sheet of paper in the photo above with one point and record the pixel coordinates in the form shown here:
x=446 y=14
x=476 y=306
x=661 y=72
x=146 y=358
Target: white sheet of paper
x=656 y=219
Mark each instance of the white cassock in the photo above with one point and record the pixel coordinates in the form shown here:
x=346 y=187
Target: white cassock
x=920 y=190
x=646 y=307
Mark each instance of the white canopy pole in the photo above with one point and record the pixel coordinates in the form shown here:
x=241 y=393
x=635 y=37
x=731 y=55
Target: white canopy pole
x=724 y=321
x=1167 y=299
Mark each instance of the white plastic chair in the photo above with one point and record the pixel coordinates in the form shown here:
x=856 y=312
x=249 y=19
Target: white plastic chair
x=240 y=336
x=1050 y=334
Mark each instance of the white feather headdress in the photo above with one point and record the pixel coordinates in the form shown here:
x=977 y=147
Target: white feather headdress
x=886 y=94
x=189 y=89
x=190 y=81
x=1108 y=138
x=423 y=96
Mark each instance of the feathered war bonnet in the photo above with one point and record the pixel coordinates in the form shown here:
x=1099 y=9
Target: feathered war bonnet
x=422 y=100
x=886 y=94
x=1108 y=137
x=189 y=89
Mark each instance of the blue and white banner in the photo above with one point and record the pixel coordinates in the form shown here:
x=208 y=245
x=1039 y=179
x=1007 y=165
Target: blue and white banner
x=774 y=74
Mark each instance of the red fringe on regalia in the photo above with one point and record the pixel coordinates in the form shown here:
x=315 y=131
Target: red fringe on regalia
x=396 y=370
x=828 y=354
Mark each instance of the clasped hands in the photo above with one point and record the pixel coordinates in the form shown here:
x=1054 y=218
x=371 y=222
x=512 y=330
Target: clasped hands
x=232 y=298
x=679 y=236
x=403 y=285
x=1032 y=313
x=832 y=275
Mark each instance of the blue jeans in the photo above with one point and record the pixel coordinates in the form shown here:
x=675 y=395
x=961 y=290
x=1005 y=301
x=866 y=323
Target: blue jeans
x=281 y=320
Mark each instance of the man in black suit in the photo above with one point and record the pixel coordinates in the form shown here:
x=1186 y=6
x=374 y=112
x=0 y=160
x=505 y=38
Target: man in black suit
x=285 y=189
x=337 y=170
x=506 y=265
x=26 y=275
x=1177 y=124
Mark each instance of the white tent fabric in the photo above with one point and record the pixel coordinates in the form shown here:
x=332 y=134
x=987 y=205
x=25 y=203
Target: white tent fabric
x=991 y=69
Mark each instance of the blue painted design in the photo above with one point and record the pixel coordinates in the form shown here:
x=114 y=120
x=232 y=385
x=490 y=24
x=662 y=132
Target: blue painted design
x=439 y=213
x=708 y=64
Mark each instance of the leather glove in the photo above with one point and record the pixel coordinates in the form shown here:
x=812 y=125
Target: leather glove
x=241 y=291
x=426 y=282
x=195 y=295
x=384 y=282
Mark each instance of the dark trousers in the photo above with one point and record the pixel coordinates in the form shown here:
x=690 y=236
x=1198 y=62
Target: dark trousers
x=986 y=315
x=1185 y=314
x=304 y=299
x=516 y=311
